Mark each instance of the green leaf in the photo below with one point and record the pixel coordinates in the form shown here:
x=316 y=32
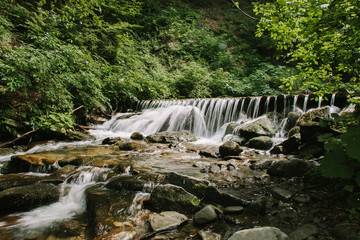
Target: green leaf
x=335 y=164
x=351 y=139
x=281 y=2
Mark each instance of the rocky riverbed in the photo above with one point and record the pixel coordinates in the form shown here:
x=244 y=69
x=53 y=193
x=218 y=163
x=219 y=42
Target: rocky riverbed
x=168 y=187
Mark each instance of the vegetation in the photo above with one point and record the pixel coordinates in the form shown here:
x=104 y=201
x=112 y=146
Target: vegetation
x=106 y=54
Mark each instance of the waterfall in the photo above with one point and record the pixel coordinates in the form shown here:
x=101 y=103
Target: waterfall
x=71 y=203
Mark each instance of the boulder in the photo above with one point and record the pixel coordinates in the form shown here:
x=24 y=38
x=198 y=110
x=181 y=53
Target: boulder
x=257 y=207
x=169 y=197
x=126 y=182
x=289 y=146
x=27 y=197
x=230 y=148
x=304 y=232
x=79 y=136
x=166 y=220
x=292 y=118
x=293 y=131
x=234 y=138
x=111 y=140
x=128 y=145
x=231 y=128
x=234 y=210
x=262 y=143
x=281 y=194
x=209 y=235
x=268 y=233
x=288 y=168
x=137 y=136
x=171 y=137
x=261 y=127
x=205 y=215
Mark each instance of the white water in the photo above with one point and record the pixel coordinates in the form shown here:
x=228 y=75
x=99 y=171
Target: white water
x=71 y=203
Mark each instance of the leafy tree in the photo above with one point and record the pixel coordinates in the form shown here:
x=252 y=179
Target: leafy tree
x=321 y=37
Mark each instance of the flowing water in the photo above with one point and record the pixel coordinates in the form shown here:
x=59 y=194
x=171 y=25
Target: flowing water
x=206 y=118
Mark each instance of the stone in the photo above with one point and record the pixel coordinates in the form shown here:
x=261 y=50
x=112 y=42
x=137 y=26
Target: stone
x=230 y=148
x=261 y=127
x=292 y=144
x=268 y=233
x=27 y=197
x=234 y=138
x=202 y=164
x=346 y=231
x=288 y=168
x=257 y=207
x=166 y=220
x=277 y=149
x=209 y=235
x=234 y=210
x=215 y=169
x=126 y=182
x=292 y=118
x=69 y=228
x=128 y=145
x=137 y=136
x=205 y=215
x=111 y=140
x=281 y=194
x=189 y=183
x=171 y=137
x=169 y=197
x=304 y=232
x=79 y=136
x=230 y=128
x=261 y=142
x=293 y=131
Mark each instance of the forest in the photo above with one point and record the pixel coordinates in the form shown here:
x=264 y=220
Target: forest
x=64 y=61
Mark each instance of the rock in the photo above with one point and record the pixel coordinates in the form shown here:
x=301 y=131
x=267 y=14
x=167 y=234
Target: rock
x=189 y=183
x=16 y=180
x=261 y=127
x=281 y=194
x=234 y=138
x=288 y=168
x=6 y=151
x=127 y=145
x=70 y=228
x=169 y=197
x=230 y=148
x=293 y=131
x=304 y=232
x=277 y=149
x=215 y=169
x=126 y=182
x=209 y=235
x=302 y=198
x=230 y=128
x=127 y=115
x=24 y=198
x=205 y=215
x=292 y=144
x=292 y=118
x=234 y=210
x=312 y=117
x=137 y=136
x=346 y=231
x=268 y=233
x=209 y=154
x=262 y=143
x=202 y=164
x=111 y=140
x=166 y=220
x=104 y=207
x=171 y=137
x=79 y=136
x=257 y=207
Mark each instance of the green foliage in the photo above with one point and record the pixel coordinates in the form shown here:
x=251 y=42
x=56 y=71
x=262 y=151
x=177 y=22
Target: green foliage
x=342 y=160
x=321 y=37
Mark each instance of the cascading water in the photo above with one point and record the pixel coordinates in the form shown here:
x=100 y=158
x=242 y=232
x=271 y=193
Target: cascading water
x=207 y=117
x=71 y=203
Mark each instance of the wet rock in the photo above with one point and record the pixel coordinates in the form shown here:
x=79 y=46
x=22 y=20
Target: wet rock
x=106 y=207
x=262 y=143
x=292 y=144
x=166 y=220
x=281 y=194
x=128 y=145
x=292 y=118
x=261 y=127
x=6 y=151
x=262 y=164
x=288 y=168
x=257 y=207
x=230 y=128
x=277 y=149
x=171 y=137
x=205 y=215
x=111 y=140
x=293 y=131
x=209 y=154
x=215 y=169
x=79 y=136
x=137 y=136
x=209 y=235
x=304 y=232
x=302 y=198
x=187 y=182
x=27 y=197
x=230 y=148
x=169 y=197
x=234 y=210
x=234 y=138
x=202 y=164
x=70 y=228
x=346 y=231
x=126 y=182
x=15 y=180
x=268 y=233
